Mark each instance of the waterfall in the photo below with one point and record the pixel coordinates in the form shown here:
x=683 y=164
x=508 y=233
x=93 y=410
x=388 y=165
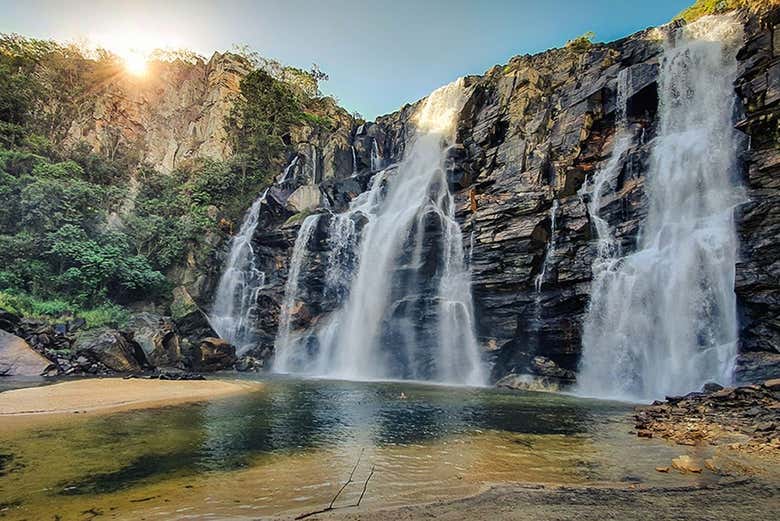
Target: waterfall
x=288 y=169
x=550 y=253
x=238 y=286
x=376 y=158
x=662 y=320
x=354 y=161
x=283 y=337
x=386 y=285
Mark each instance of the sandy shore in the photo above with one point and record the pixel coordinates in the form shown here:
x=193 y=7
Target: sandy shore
x=101 y=395
x=741 y=500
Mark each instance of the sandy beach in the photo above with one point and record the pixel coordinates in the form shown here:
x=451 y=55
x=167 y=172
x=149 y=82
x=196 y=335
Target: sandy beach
x=103 y=395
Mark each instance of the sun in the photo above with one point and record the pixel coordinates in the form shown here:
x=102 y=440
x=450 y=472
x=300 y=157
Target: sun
x=135 y=62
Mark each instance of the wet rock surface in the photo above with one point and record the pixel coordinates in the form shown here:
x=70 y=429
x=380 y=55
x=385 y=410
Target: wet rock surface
x=530 y=135
x=740 y=418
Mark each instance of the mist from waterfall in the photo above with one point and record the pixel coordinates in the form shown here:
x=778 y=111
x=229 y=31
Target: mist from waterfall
x=236 y=292
x=662 y=320
x=378 y=269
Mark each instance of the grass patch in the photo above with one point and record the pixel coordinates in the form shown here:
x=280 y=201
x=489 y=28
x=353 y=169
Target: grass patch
x=51 y=310
x=707 y=7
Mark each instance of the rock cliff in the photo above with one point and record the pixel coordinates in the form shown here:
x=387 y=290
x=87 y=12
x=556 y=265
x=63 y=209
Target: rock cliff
x=530 y=135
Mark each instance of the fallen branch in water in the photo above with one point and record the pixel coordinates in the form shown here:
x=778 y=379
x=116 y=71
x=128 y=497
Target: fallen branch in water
x=349 y=480
x=365 y=486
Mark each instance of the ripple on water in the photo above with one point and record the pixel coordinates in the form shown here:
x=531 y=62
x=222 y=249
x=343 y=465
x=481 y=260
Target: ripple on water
x=290 y=447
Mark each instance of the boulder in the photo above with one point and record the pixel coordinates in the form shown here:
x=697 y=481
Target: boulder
x=543 y=366
x=8 y=321
x=114 y=349
x=711 y=387
x=249 y=363
x=214 y=354
x=157 y=337
x=306 y=197
x=685 y=463
x=528 y=382
x=17 y=358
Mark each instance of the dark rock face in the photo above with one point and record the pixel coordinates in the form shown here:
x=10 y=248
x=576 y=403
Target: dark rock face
x=113 y=349
x=529 y=136
x=758 y=270
x=715 y=415
x=157 y=338
x=214 y=354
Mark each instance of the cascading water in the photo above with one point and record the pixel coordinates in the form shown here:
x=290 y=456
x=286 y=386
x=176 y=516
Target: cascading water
x=550 y=253
x=376 y=157
x=283 y=337
x=384 y=243
x=662 y=320
x=354 y=161
x=237 y=289
x=288 y=169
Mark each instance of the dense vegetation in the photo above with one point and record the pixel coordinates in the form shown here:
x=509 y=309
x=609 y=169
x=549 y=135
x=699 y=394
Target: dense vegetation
x=705 y=7
x=81 y=230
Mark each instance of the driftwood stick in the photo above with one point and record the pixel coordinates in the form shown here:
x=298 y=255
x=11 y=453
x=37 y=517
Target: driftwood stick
x=365 y=486
x=349 y=480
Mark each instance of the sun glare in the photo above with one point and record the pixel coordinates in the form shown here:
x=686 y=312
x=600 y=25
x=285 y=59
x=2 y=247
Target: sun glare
x=134 y=47
x=135 y=62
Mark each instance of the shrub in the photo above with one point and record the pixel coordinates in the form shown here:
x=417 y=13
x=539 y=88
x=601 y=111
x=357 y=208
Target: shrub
x=581 y=43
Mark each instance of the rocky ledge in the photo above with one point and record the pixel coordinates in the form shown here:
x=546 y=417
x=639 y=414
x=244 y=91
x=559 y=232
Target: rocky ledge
x=737 y=418
x=153 y=345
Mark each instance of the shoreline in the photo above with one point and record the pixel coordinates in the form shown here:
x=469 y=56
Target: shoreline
x=93 y=396
x=740 y=499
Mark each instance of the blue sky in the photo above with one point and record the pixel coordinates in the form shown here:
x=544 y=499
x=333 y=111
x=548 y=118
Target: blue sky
x=379 y=54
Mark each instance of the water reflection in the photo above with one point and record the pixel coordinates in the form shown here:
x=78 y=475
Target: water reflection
x=292 y=444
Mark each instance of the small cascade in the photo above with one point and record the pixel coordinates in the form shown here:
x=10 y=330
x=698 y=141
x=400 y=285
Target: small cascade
x=237 y=290
x=315 y=165
x=289 y=168
x=378 y=277
x=662 y=320
x=550 y=253
x=354 y=161
x=283 y=337
x=376 y=157
x=607 y=247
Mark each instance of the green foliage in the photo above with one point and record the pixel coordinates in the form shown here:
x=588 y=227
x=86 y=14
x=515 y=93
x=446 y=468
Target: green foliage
x=581 y=43
x=26 y=305
x=70 y=237
x=707 y=7
x=323 y=122
x=261 y=120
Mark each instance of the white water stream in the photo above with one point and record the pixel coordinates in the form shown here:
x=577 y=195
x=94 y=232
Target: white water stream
x=377 y=268
x=662 y=320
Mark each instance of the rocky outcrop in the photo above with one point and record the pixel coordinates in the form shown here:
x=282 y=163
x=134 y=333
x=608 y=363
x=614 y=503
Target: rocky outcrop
x=174 y=112
x=113 y=349
x=758 y=270
x=531 y=134
x=213 y=354
x=17 y=358
x=158 y=339
x=743 y=418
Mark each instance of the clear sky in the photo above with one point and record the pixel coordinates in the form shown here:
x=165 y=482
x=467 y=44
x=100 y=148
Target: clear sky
x=379 y=54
